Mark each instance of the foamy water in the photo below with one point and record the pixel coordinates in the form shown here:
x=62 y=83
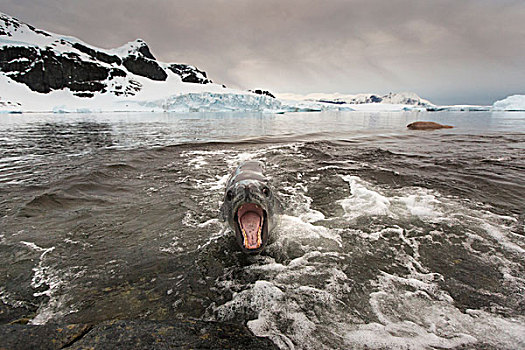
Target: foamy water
x=387 y=238
x=301 y=303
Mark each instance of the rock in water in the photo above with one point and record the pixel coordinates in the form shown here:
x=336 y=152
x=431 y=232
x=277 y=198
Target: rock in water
x=139 y=334
x=427 y=126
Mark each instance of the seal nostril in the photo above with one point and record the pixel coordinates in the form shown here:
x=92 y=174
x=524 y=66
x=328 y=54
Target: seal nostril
x=266 y=191
x=229 y=195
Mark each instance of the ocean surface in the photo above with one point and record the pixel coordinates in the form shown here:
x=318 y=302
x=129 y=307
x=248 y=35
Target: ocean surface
x=389 y=238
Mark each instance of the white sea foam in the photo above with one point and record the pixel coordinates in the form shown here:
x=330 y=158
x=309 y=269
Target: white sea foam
x=294 y=230
x=419 y=320
x=239 y=158
x=301 y=303
x=367 y=201
x=8 y=299
x=56 y=280
x=209 y=223
x=428 y=205
x=197 y=162
x=400 y=335
x=363 y=201
x=499 y=235
x=219 y=183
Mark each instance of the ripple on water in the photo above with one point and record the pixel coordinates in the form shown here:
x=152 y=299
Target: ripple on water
x=365 y=256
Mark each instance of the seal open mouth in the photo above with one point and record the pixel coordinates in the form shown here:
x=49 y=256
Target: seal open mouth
x=251 y=223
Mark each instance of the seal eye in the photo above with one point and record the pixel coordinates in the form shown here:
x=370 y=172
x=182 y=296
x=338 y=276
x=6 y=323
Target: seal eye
x=266 y=191
x=229 y=195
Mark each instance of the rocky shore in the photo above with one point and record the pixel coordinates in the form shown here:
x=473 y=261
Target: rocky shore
x=138 y=334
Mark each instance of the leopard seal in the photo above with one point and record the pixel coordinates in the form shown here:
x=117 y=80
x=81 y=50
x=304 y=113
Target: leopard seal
x=250 y=206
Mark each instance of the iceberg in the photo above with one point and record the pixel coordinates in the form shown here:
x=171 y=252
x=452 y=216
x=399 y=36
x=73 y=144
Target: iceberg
x=460 y=108
x=213 y=102
x=511 y=103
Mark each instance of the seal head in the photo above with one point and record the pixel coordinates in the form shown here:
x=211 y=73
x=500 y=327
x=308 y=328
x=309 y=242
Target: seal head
x=250 y=206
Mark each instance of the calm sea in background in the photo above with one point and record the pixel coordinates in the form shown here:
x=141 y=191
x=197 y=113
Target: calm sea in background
x=388 y=237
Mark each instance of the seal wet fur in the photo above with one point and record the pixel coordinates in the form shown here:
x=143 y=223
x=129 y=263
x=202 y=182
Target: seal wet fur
x=250 y=206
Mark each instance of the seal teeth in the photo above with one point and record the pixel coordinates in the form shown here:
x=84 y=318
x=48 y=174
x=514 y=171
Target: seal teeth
x=245 y=236
x=250 y=222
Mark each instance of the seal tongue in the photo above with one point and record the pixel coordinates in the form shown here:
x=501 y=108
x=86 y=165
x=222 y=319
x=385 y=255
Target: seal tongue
x=251 y=224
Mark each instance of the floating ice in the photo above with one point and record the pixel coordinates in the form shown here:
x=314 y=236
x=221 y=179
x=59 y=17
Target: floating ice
x=511 y=103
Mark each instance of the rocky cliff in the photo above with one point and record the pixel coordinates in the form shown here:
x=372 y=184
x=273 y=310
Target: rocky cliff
x=45 y=62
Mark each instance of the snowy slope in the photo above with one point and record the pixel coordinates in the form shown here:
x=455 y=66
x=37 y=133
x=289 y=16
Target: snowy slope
x=403 y=98
x=41 y=71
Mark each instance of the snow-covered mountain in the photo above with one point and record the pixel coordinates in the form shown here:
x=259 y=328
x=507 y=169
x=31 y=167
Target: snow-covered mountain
x=46 y=72
x=42 y=71
x=403 y=98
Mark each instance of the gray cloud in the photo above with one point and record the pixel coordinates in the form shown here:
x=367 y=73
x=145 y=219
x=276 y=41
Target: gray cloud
x=448 y=51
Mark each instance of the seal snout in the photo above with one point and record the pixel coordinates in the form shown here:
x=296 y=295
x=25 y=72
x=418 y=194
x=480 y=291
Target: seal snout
x=249 y=191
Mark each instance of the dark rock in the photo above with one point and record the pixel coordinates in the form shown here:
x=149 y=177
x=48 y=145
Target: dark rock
x=41 y=32
x=63 y=64
x=333 y=102
x=190 y=74
x=115 y=72
x=8 y=22
x=375 y=99
x=145 y=67
x=87 y=86
x=72 y=55
x=101 y=56
x=10 y=313
x=84 y=94
x=133 y=335
x=262 y=92
x=145 y=51
x=50 y=336
x=43 y=70
x=427 y=126
x=10 y=58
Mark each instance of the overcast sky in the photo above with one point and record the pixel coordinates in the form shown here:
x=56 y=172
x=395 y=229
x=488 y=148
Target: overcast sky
x=448 y=51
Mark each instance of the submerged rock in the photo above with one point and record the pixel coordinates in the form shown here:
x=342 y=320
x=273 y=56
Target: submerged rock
x=427 y=126
x=133 y=335
x=18 y=336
